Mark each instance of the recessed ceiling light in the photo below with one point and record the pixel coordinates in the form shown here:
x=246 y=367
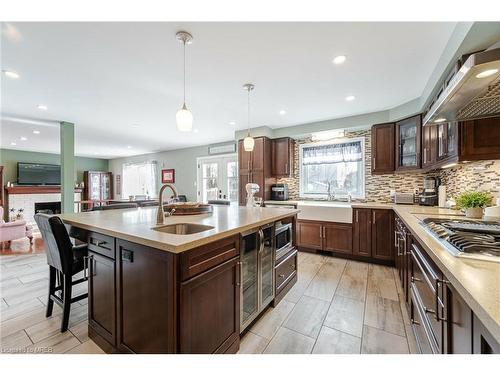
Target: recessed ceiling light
x=13 y=143
x=135 y=125
x=10 y=74
x=339 y=59
x=24 y=139
x=232 y=123
x=282 y=112
x=487 y=73
x=350 y=98
x=441 y=119
x=36 y=131
x=42 y=107
x=196 y=130
x=129 y=147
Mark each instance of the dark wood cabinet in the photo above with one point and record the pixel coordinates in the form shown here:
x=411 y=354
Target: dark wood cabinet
x=408 y=143
x=145 y=311
x=447 y=143
x=324 y=235
x=480 y=139
x=98 y=185
x=382 y=234
x=210 y=310
x=337 y=237
x=310 y=234
x=382 y=148
x=362 y=232
x=282 y=157
x=482 y=341
x=102 y=307
x=429 y=143
x=458 y=324
x=256 y=167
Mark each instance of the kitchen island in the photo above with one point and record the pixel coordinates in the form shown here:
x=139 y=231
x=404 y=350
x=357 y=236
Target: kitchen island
x=175 y=287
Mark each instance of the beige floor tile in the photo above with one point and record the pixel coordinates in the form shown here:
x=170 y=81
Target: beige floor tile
x=88 y=347
x=12 y=272
x=381 y=282
x=270 y=322
x=307 y=316
x=331 y=341
x=287 y=341
x=376 y=341
x=307 y=271
x=252 y=344
x=410 y=336
x=41 y=275
x=15 y=342
x=46 y=328
x=22 y=321
x=10 y=312
x=3 y=304
x=353 y=281
x=59 y=343
x=325 y=282
x=384 y=314
x=81 y=331
x=297 y=291
x=346 y=315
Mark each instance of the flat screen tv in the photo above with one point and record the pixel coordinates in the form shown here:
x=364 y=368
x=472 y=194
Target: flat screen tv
x=38 y=174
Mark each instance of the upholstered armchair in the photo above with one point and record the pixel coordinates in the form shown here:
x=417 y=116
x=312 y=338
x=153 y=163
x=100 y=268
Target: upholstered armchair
x=14 y=230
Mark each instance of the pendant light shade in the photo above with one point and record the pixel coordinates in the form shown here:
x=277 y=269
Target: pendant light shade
x=248 y=142
x=184 y=117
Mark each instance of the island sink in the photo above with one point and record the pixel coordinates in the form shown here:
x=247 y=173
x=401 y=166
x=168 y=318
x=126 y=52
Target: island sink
x=183 y=228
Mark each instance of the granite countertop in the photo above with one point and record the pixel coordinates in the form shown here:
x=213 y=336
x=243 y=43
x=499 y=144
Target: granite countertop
x=476 y=281
x=136 y=225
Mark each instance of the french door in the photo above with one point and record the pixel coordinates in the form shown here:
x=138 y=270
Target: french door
x=217 y=178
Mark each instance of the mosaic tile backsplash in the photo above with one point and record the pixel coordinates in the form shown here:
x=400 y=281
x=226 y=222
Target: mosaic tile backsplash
x=481 y=175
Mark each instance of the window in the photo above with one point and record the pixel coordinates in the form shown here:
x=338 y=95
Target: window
x=140 y=179
x=338 y=163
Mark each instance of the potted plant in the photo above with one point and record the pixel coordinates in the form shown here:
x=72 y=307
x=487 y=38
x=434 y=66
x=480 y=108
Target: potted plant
x=473 y=202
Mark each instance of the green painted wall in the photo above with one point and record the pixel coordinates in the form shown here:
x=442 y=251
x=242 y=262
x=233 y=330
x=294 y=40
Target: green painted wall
x=9 y=159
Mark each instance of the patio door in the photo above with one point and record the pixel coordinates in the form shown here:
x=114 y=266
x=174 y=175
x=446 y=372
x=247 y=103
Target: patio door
x=217 y=178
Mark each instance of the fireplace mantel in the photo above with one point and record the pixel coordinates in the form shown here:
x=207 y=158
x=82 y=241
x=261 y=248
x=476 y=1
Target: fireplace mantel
x=40 y=189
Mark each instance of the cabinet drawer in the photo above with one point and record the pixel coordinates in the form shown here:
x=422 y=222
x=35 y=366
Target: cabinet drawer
x=286 y=270
x=102 y=244
x=425 y=285
x=195 y=261
x=420 y=326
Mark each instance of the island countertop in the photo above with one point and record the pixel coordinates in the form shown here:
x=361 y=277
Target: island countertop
x=136 y=224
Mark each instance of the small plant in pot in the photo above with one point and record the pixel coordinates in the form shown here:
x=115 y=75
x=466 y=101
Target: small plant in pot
x=473 y=202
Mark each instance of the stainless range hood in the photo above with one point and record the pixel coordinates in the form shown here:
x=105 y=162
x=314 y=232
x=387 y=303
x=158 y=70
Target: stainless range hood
x=472 y=92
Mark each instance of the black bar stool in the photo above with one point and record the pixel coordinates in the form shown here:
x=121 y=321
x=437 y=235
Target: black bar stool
x=65 y=260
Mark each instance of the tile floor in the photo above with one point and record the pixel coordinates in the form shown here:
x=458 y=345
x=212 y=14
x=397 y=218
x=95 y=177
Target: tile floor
x=337 y=306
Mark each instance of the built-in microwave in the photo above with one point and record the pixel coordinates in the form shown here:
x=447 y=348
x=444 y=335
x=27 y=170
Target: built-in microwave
x=282 y=239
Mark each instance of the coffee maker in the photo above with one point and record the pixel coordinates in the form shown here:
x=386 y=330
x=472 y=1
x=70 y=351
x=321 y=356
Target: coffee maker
x=429 y=196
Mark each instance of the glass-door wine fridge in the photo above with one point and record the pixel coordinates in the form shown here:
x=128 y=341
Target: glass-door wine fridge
x=257 y=272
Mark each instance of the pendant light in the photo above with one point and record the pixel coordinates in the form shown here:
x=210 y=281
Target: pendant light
x=248 y=142
x=184 y=117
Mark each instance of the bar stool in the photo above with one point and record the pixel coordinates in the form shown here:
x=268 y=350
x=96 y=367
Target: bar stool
x=65 y=260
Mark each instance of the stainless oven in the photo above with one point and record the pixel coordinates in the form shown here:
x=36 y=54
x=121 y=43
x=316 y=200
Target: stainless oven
x=283 y=236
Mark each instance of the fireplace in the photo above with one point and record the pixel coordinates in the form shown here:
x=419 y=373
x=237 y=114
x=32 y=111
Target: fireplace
x=50 y=208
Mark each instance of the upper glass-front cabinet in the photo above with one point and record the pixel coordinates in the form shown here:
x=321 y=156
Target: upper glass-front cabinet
x=408 y=143
x=447 y=145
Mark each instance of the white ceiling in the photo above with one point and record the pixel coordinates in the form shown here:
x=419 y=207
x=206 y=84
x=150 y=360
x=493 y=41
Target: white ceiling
x=106 y=77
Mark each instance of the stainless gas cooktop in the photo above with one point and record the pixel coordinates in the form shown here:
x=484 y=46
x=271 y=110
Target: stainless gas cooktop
x=467 y=238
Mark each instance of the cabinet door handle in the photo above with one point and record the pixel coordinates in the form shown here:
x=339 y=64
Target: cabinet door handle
x=324 y=233
x=415 y=279
x=413 y=321
x=281 y=276
x=425 y=155
x=373 y=215
x=85 y=267
x=374 y=165
x=357 y=216
x=439 y=282
x=239 y=278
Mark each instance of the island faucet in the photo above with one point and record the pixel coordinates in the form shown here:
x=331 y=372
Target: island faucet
x=160 y=214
